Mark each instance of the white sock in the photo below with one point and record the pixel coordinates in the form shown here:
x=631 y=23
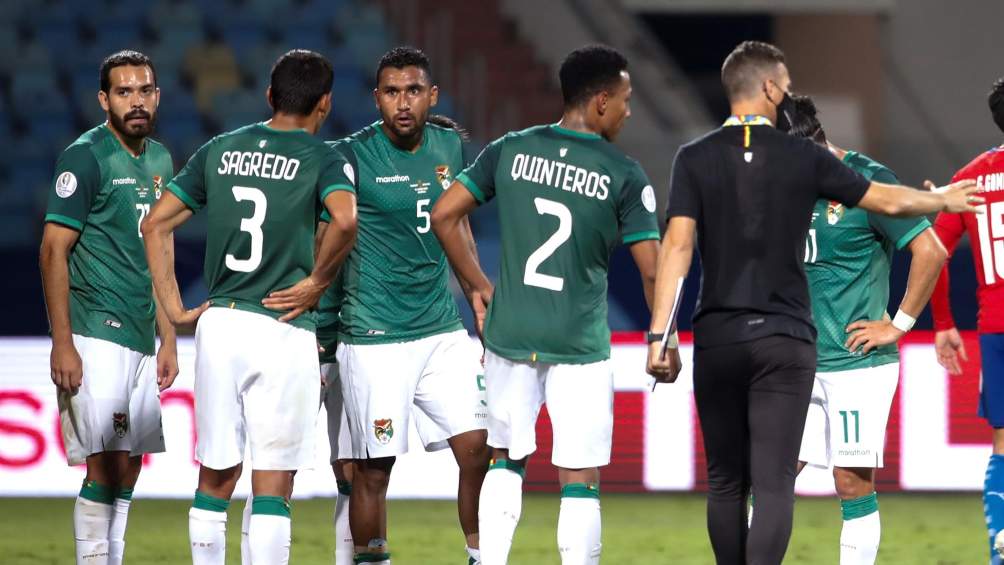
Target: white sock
x=344 y=548
x=245 y=527
x=117 y=530
x=474 y=556
x=269 y=539
x=207 y=531
x=91 y=521
x=859 y=540
x=499 y=507
x=579 y=530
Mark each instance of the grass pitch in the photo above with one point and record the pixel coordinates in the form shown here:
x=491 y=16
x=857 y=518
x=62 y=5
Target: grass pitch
x=930 y=529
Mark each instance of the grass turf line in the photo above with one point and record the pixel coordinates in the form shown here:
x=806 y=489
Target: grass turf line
x=943 y=529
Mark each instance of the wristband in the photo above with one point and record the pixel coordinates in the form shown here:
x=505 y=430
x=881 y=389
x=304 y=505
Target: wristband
x=674 y=341
x=653 y=337
x=903 y=321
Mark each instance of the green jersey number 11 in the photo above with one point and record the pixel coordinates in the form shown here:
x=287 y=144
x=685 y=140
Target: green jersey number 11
x=252 y=226
x=530 y=275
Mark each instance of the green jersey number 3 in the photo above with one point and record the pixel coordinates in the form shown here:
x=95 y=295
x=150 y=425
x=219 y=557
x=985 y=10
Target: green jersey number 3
x=252 y=226
x=530 y=275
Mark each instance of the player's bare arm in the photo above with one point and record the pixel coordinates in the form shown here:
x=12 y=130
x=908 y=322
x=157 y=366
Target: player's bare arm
x=474 y=249
x=448 y=217
x=167 y=353
x=895 y=200
x=674 y=263
x=336 y=242
x=928 y=256
x=65 y=366
x=158 y=228
x=646 y=257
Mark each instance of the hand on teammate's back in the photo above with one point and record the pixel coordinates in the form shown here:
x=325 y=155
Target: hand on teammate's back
x=949 y=346
x=479 y=298
x=66 y=368
x=188 y=318
x=868 y=335
x=296 y=299
x=665 y=368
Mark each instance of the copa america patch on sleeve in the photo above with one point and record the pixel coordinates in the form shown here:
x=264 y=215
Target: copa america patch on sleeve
x=648 y=198
x=66 y=184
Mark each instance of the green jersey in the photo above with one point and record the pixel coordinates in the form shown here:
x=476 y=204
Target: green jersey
x=848 y=256
x=101 y=190
x=263 y=190
x=396 y=279
x=565 y=200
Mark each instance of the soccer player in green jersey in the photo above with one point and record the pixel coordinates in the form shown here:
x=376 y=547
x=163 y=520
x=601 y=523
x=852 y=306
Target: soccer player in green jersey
x=256 y=376
x=402 y=349
x=848 y=255
x=101 y=306
x=566 y=197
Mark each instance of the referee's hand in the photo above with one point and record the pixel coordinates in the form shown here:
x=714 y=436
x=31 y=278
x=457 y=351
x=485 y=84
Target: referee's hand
x=663 y=369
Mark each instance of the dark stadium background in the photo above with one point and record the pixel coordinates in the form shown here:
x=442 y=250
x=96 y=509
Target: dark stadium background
x=213 y=59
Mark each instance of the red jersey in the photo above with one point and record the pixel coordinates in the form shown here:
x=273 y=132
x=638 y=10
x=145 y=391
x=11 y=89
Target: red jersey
x=986 y=236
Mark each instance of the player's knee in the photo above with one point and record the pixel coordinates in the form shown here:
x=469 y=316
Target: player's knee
x=853 y=482
x=219 y=482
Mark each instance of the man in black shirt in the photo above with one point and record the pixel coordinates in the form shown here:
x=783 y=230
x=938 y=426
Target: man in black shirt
x=747 y=191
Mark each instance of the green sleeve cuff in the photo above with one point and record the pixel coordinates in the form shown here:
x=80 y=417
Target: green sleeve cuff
x=471 y=187
x=335 y=187
x=640 y=236
x=908 y=237
x=183 y=196
x=65 y=220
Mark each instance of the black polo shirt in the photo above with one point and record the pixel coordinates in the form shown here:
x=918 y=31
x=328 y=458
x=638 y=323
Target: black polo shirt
x=751 y=190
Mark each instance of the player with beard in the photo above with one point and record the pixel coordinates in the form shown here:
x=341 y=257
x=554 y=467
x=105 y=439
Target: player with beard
x=401 y=347
x=102 y=312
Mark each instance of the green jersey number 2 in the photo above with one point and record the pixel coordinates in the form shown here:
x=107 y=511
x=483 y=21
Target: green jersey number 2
x=252 y=226
x=530 y=275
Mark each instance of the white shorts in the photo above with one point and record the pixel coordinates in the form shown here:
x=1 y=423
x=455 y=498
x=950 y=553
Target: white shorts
x=580 y=402
x=256 y=380
x=848 y=412
x=439 y=375
x=334 y=404
x=116 y=408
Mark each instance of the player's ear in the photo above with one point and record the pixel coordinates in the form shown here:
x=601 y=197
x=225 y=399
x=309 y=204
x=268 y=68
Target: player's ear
x=324 y=105
x=268 y=97
x=376 y=98
x=601 y=100
x=433 y=96
x=103 y=100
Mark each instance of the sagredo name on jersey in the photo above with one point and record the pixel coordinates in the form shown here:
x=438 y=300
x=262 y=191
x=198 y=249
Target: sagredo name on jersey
x=560 y=175
x=257 y=164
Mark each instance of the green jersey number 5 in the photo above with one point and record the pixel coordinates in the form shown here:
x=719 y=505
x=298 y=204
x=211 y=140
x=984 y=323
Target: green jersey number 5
x=252 y=226
x=530 y=275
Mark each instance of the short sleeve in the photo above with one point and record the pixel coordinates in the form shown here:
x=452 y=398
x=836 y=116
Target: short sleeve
x=900 y=231
x=337 y=171
x=835 y=180
x=636 y=208
x=189 y=185
x=684 y=195
x=479 y=178
x=74 y=186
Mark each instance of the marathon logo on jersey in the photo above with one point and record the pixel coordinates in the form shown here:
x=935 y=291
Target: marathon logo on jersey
x=557 y=174
x=158 y=185
x=394 y=178
x=990 y=183
x=257 y=164
x=443 y=176
x=383 y=430
x=123 y=181
x=834 y=211
x=120 y=423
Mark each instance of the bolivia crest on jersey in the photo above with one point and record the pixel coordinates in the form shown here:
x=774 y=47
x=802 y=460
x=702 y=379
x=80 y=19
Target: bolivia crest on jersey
x=383 y=430
x=834 y=211
x=120 y=423
x=443 y=176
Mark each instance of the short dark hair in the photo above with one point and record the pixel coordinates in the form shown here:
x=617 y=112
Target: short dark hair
x=126 y=57
x=404 y=56
x=449 y=123
x=996 y=101
x=299 y=79
x=745 y=67
x=589 y=70
x=804 y=122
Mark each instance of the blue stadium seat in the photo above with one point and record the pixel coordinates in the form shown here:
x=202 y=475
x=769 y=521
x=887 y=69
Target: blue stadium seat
x=31 y=57
x=85 y=101
x=178 y=38
x=315 y=39
x=243 y=37
x=114 y=37
x=174 y=13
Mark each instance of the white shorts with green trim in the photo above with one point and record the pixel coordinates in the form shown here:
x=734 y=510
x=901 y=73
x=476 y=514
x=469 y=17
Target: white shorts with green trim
x=257 y=384
x=339 y=439
x=439 y=376
x=116 y=408
x=847 y=416
x=580 y=403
